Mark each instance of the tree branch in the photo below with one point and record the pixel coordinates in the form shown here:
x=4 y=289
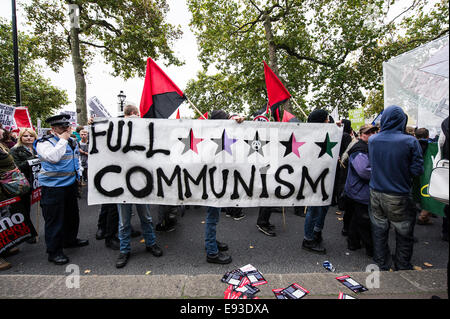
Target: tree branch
x=254 y=4
x=292 y=52
x=251 y=24
x=413 y=5
x=109 y=50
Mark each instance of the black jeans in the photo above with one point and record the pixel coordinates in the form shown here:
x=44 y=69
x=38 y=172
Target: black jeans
x=61 y=215
x=108 y=220
x=26 y=202
x=167 y=214
x=264 y=215
x=360 y=227
x=396 y=210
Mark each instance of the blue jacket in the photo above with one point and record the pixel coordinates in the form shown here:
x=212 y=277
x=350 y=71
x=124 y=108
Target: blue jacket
x=358 y=176
x=62 y=173
x=395 y=157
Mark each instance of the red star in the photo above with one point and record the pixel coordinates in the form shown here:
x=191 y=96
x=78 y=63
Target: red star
x=194 y=141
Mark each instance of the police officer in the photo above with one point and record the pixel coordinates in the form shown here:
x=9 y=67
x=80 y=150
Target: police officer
x=59 y=155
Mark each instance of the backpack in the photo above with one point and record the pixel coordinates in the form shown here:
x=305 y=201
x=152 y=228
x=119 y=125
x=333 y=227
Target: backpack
x=14 y=183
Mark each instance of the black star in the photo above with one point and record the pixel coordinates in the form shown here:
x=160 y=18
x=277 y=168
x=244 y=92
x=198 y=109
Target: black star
x=256 y=144
x=326 y=146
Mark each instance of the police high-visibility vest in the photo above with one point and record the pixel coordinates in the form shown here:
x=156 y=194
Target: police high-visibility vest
x=62 y=173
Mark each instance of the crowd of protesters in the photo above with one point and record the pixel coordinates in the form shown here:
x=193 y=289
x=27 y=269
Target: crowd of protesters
x=373 y=189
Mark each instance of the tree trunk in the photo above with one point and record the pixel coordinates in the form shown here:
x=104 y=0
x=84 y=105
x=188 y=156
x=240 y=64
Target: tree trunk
x=80 y=82
x=273 y=59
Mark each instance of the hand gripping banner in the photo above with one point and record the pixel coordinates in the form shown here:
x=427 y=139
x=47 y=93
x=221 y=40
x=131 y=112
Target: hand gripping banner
x=216 y=163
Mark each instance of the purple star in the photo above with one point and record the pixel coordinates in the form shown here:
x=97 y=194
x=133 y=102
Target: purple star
x=224 y=143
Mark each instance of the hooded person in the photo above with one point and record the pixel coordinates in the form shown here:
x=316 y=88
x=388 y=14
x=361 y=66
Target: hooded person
x=395 y=158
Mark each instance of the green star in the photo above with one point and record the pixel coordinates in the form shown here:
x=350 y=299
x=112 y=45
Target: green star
x=326 y=146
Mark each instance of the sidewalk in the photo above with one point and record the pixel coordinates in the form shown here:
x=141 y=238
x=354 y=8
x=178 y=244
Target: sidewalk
x=393 y=285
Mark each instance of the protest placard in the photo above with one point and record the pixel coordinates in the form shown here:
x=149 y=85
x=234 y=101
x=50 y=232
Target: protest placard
x=13 y=228
x=212 y=163
x=35 y=167
x=7 y=116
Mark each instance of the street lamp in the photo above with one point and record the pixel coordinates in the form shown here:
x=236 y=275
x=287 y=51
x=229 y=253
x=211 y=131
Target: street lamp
x=121 y=96
x=16 y=53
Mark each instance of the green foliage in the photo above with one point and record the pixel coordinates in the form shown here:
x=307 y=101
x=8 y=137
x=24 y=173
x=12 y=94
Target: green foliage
x=124 y=32
x=329 y=52
x=37 y=93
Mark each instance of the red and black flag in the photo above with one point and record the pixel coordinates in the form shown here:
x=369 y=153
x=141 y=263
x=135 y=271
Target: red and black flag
x=160 y=96
x=204 y=117
x=288 y=117
x=276 y=92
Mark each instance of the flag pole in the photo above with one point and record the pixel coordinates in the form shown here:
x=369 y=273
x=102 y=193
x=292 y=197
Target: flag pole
x=195 y=107
x=295 y=102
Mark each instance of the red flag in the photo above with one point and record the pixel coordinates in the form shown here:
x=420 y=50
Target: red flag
x=287 y=117
x=160 y=96
x=205 y=116
x=276 y=92
x=22 y=117
x=178 y=114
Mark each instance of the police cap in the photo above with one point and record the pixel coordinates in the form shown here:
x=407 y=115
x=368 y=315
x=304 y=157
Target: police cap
x=59 y=120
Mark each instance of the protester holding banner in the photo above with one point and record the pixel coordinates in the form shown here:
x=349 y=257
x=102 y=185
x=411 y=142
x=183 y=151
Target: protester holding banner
x=395 y=157
x=315 y=215
x=22 y=152
x=59 y=157
x=145 y=217
x=13 y=228
x=6 y=164
x=215 y=249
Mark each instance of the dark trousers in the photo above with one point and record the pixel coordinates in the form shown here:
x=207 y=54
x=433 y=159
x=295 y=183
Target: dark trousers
x=392 y=210
x=167 y=214
x=108 y=220
x=264 y=215
x=360 y=227
x=61 y=216
x=26 y=202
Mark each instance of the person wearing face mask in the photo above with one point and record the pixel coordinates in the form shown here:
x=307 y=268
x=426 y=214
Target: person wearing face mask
x=59 y=156
x=22 y=152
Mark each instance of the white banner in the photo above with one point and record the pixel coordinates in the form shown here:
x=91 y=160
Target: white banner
x=97 y=108
x=410 y=85
x=216 y=163
x=7 y=116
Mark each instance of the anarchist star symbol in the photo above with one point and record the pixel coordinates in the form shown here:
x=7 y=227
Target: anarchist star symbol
x=256 y=145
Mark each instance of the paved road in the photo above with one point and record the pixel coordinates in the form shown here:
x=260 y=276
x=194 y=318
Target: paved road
x=184 y=248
